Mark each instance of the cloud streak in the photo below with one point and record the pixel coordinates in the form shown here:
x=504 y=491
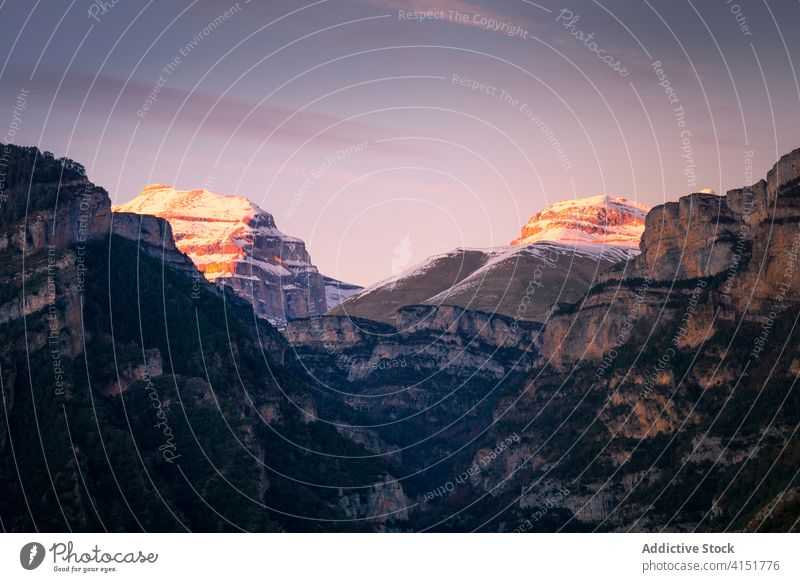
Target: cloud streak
x=220 y=116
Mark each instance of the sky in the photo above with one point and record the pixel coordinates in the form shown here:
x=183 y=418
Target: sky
x=386 y=131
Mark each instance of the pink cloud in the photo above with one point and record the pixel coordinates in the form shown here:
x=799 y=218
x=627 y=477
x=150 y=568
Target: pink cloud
x=200 y=109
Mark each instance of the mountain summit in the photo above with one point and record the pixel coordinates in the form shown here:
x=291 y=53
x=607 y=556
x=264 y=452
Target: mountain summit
x=595 y=221
x=215 y=230
x=235 y=243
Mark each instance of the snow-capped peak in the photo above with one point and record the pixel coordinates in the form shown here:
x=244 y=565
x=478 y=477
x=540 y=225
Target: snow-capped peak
x=202 y=204
x=215 y=230
x=598 y=220
x=235 y=243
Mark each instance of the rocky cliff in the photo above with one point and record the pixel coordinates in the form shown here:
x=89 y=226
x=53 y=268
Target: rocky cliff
x=745 y=243
x=670 y=385
x=426 y=337
x=662 y=398
x=155 y=238
x=48 y=225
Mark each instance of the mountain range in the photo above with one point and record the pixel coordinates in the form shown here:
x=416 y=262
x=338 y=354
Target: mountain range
x=576 y=380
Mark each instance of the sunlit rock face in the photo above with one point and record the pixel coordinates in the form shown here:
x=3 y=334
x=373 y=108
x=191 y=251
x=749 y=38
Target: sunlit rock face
x=596 y=221
x=236 y=244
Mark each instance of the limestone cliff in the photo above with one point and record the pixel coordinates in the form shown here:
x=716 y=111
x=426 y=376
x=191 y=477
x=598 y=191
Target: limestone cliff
x=747 y=242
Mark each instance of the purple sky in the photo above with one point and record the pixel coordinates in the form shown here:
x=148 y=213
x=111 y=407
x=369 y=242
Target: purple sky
x=357 y=128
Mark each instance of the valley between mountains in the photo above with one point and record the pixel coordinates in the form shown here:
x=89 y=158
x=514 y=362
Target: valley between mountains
x=178 y=363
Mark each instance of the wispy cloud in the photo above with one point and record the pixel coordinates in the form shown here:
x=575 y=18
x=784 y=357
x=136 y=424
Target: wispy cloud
x=383 y=182
x=248 y=118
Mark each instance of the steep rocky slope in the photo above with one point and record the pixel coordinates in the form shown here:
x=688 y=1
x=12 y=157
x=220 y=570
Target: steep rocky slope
x=745 y=243
x=154 y=237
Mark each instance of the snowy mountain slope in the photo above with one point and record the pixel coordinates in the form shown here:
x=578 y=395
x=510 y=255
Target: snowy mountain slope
x=337 y=291
x=560 y=252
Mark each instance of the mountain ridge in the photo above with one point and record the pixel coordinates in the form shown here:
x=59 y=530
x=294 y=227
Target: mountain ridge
x=663 y=398
x=594 y=233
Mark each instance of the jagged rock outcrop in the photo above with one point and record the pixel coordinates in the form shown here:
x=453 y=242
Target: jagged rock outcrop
x=47 y=249
x=694 y=237
x=52 y=214
x=386 y=502
x=83 y=215
x=155 y=238
x=475 y=326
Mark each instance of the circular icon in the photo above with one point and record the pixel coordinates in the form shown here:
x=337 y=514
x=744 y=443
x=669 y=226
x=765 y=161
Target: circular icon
x=31 y=555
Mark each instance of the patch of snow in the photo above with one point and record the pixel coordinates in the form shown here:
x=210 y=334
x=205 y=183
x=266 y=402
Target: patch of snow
x=278 y=270
x=336 y=292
